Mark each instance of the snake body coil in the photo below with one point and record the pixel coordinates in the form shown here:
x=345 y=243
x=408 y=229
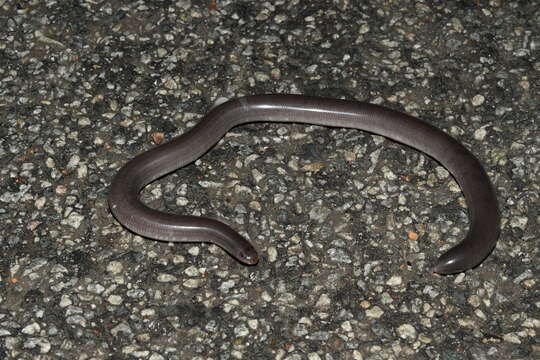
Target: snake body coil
x=126 y=206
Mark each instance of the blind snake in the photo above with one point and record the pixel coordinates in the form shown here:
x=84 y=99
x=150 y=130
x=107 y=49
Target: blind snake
x=127 y=208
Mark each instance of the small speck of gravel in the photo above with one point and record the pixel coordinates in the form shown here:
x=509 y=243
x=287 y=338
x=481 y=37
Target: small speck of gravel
x=115 y=300
x=192 y=283
x=407 y=331
x=323 y=301
x=227 y=285
x=115 y=267
x=166 y=278
x=339 y=255
x=478 y=100
x=480 y=134
x=31 y=329
x=394 y=281
x=375 y=312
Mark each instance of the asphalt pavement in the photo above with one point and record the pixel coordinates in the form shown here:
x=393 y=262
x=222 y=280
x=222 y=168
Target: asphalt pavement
x=347 y=223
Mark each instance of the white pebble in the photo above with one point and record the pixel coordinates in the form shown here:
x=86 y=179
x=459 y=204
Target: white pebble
x=394 y=281
x=459 y=279
x=253 y=324
x=241 y=330
x=115 y=300
x=478 y=100
x=407 y=331
x=115 y=267
x=194 y=250
x=74 y=220
x=73 y=162
x=480 y=134
x=31 y=329
x=148 y=312
x=442 y=173
x=226 y=285
x=531 y=323
x=272 y=254
x=192 y=283
x=374 y=313
x=65 y=301
x=512 y=338
x=323 y=301
x=166 y=278
x=192 y=271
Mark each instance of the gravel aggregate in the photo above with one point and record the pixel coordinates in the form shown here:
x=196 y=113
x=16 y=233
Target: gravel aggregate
x=347 y=223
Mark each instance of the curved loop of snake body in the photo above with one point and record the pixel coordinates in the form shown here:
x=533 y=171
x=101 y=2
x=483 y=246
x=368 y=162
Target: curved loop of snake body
x=126 y=206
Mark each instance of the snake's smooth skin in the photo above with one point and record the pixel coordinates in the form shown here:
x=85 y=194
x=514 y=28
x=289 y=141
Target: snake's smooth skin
x=479 y=193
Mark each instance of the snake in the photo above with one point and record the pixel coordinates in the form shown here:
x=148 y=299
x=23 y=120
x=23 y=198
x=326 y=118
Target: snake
x=126 y=206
